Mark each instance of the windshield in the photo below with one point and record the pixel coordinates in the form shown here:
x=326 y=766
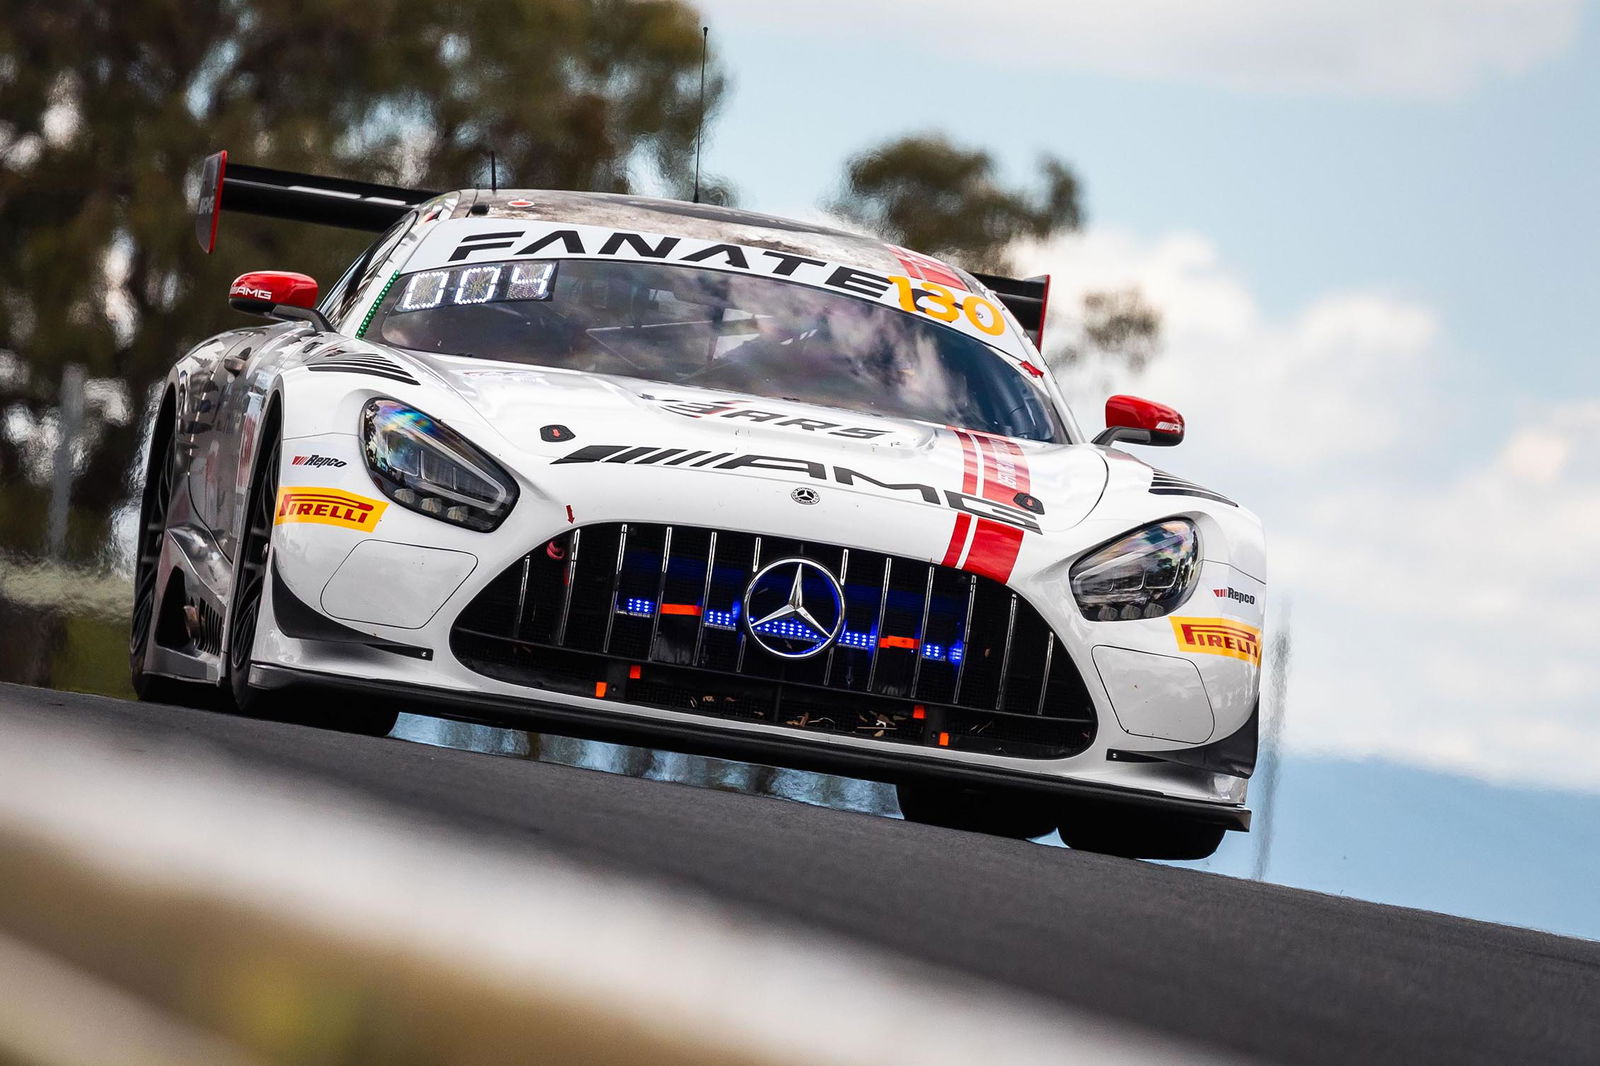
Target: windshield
x=717 y=330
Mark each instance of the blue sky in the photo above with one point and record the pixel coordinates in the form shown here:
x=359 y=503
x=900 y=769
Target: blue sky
x=1371 y=228
x=1481 y=202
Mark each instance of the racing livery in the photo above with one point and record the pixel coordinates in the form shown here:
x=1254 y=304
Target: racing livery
x=677 y=474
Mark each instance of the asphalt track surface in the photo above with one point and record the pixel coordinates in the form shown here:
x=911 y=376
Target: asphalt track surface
x=1275 y=973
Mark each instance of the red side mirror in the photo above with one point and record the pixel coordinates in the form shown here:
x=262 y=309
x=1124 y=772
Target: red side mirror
x=262 y=290
x=1137 y=421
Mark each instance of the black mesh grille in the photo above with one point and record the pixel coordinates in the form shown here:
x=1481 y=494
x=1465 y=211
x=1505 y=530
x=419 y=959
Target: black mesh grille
x=649 y=614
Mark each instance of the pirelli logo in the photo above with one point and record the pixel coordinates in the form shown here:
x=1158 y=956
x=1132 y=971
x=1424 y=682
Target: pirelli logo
x=328 y=507
x=1218 y=636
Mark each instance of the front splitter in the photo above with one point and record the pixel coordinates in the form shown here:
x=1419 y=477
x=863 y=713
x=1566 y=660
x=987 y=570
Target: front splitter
x=896 y=767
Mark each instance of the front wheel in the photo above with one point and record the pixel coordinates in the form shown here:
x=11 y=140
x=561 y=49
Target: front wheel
x=250 y=575
x=995 y=813
x=349 y=715
x=161 y=478
x=1138 y=834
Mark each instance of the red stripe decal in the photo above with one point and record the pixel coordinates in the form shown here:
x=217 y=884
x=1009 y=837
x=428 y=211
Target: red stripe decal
x=969 y=462
x=969 y=482
x=928 y=268
x=1005 y=470
x=958 y=540
x=910 y=268
x=994 y=550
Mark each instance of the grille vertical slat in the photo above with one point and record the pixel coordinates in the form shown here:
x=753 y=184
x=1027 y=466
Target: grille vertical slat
x=569 y=578
x=1005 y=656
x=705 y=599
x=1049 y=660
x=755 y=565
x=522 y=597
x=975 y=661
x=966 y=637
x=616 y=586
x=844 y=573
x=876 y=635
x=922 y=632
x=661 y=592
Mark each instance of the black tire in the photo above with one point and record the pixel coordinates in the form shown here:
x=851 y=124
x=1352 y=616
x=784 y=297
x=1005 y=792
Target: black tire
x=250 y=575
x=994 y=813
x=1138 y=834
x=160 y=477
x=347 y=714
x=159 y=487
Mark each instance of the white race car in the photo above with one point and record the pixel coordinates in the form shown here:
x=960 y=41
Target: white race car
x=682 y=475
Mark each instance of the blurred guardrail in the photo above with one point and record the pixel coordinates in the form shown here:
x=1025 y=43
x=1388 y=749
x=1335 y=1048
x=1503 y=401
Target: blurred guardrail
x=217 y=910
x=64 y=626
x=72 y=589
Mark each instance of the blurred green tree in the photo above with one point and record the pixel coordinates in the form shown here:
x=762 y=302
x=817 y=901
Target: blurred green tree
x=1113 y=328
x=932 y=196
x=105 y=108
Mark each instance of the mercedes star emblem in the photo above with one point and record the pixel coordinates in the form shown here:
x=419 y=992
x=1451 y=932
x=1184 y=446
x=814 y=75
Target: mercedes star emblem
x=794 y=608
x=805 y=496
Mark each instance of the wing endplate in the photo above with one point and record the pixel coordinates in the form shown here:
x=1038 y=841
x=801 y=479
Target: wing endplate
x=285 y=194
x=1026 y=298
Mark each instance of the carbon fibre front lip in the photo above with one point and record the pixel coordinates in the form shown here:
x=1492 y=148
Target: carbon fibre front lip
x=899 y=766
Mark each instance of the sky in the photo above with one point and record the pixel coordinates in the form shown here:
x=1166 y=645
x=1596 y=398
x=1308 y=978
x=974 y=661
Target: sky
x=1371 y=230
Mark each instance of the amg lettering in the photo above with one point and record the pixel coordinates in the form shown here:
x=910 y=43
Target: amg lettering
x=846 y=476
x=591 y=453
x=774 y=462
x=982 y=508
x=644 y=455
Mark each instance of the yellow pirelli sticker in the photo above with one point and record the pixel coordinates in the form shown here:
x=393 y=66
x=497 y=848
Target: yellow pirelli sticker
x=328 y=507
x=1218 y=636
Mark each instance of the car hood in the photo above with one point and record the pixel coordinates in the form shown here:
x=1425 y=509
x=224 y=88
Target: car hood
x=558 y=416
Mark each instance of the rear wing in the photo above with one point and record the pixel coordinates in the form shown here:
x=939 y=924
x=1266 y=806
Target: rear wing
x=299 y=197
x=1026 y=299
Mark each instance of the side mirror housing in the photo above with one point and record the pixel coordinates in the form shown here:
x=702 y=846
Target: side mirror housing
x=279 y=294
x=1137 y=421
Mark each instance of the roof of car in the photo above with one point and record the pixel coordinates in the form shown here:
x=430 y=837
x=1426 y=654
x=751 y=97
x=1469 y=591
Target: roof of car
x=684 y=219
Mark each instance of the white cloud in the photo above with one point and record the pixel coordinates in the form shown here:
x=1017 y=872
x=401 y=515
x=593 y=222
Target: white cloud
x=1424 y=48
x=1444 y=594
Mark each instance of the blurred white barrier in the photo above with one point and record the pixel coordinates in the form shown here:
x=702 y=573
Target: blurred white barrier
x=280 y=914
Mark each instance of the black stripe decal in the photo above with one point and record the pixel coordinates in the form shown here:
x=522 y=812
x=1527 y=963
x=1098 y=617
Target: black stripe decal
x=662 y=454
x=631 y=454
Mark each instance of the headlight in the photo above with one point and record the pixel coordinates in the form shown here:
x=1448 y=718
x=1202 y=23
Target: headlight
x=428 y=467
x=1145 y=574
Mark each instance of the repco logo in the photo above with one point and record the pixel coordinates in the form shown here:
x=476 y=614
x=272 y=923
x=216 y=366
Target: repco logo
x=315 y=460
x=1235 y=595
x=328 y=507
